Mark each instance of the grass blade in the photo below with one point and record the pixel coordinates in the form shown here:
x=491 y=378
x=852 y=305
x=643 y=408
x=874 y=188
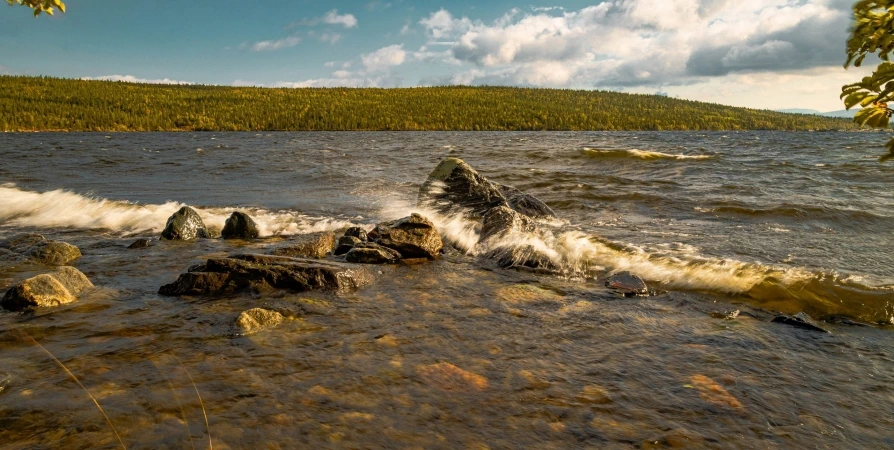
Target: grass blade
x=202 y=404
x=179 y=403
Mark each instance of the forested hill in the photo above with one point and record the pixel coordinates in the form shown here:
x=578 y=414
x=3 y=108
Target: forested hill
x=37 y=103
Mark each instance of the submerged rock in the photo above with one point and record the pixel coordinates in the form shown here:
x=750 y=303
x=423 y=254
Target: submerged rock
x=39 y=249
x=448 y=377
x=714 y=393
x=312 y=245
x=412 y=237
x=345 y=244
x=264 y=272
x=627 y=284
x=140 y=243
x=257 y=319
x=240 y=226
x=800 y=320
x=372 y=253
x=51 y=289
x=185 y=225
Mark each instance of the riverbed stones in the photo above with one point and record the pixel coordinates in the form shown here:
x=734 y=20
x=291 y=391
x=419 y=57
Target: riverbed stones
x=714 y=393
x=258 y=319
x=37 y=248
x=266 y=272
x=345 y=244
x=372 y=253
x=450 y=378
x=412 y=237
x=627 y=284
x=800 y=320
x=312 y=245
x=185 y=225
x=56 y=288
x=240 y=226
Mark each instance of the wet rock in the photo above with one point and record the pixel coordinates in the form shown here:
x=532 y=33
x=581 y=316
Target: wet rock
x=264 y=272
x=185 y=225
x=501 y=221
x=53 y=253
x=372 y=253
x=593 y=394
x=447 y=377
x=140 y=243
x=412 y=237
x=522 y=257
x=714 y=393
x=527 y=293
x=455 y=185
x=358 y=233
x=50 y=289
x=257 y=319
x=627 y=284
x=800 y=320
x=240 y=226
x=20 y=243
x=345 y=244
x=731 y=315
x=312 y=245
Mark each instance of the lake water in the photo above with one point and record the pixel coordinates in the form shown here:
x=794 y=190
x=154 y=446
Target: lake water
x=761 y=222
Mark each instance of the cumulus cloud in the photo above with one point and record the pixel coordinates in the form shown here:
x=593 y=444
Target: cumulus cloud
x=133 y=79
x=344 y=79
x=346 y=20
x=286 y=42
x=384 y=58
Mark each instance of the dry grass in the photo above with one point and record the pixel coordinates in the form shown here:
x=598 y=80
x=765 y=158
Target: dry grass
x=202 y=404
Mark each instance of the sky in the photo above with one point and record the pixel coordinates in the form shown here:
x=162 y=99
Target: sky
x=768 y=54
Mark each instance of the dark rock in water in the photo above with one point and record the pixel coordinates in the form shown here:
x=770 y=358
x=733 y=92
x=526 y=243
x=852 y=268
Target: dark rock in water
x=730 y=315
x=627 y=284
x=140 y=243
x=53 y=253
x=345 y=244
x=358 y=233
x=455 y=185
x=412 y=237
x=521 y=257
x=240 y=226
x=372 y=253
x=502 y=220
x=262 y=272
x=185 y=225
x=313 y=245
x=20 y=243
x=800 y=320
x=50 y=289
x=258 y=319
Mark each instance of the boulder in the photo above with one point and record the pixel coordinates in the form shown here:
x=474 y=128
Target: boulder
x=185 y=225
x=502 y=220
x=51 y=289
x=140 y=243
x=263 y=272
x=454 y=186
x=372 y=253
x=800 y=320
x=53 y=253
x=521 y=257
x=412 y=237
x=20 y=243
x=627 y=284
x=257 y=319
x=358 y=233
x=345 y=244
x=313 y=245
x=240 y=226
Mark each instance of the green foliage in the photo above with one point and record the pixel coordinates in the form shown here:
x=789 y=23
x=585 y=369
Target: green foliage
x=40 y=6
x=39 y=103
x=872 y=33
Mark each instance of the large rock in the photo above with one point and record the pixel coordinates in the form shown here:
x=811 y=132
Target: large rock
x=20 y=243
x=358 y=233
x=522 y=257
x=800 y=320
x=257 y=319
x=185 y=225
x=262 y=272
x=412 y=237
x=51 y=289
x=313 y=245
x=371 y=253
x=39 y=249
x=501 y=221
x=455 y=186
x=240 y=226
x=345 y=244
x=627 y=284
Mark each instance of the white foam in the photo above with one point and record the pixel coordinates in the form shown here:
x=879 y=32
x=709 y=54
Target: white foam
x=639 y=154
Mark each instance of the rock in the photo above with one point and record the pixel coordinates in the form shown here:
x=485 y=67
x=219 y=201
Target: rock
x=412 y=237
x=627 y=284
x=714 y=393
x=526 y=294
x=800 y=320
x=261 y=272
x=50 y=289
x=313 y=245
x=501 y=221
x=345 y=244
x=594 y=394
x=372 y=253
x=358 y=233
x=454 y=186
x=257 y=319
x=54 y=253
x=185 y=225
x=140 y=243
x=447 y=377
x=522 y=257
x=20 y=243
x=730 y=315
x=240 y=226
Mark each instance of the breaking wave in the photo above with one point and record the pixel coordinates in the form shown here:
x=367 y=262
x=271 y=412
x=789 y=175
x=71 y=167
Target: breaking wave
x=638 y=154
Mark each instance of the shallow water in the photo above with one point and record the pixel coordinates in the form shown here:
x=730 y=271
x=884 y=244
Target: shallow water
x=760 y=222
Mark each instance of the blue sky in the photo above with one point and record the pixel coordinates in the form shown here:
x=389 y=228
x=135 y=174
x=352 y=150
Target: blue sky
x=756 y=53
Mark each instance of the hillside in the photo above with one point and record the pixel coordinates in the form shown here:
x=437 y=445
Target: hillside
x=39 y=103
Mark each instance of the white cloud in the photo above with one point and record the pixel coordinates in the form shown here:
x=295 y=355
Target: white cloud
x=285 y=42
x=346 y=20
x=384 y=58
x=133 y=79
x=330 y=38
x=344 y=79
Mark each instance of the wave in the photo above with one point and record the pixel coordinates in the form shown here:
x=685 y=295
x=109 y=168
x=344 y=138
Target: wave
x=65 y=209
x=795 y=211
x=638 y=154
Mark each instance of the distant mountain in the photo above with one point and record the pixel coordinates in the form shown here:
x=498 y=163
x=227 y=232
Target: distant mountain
x=843 y=113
